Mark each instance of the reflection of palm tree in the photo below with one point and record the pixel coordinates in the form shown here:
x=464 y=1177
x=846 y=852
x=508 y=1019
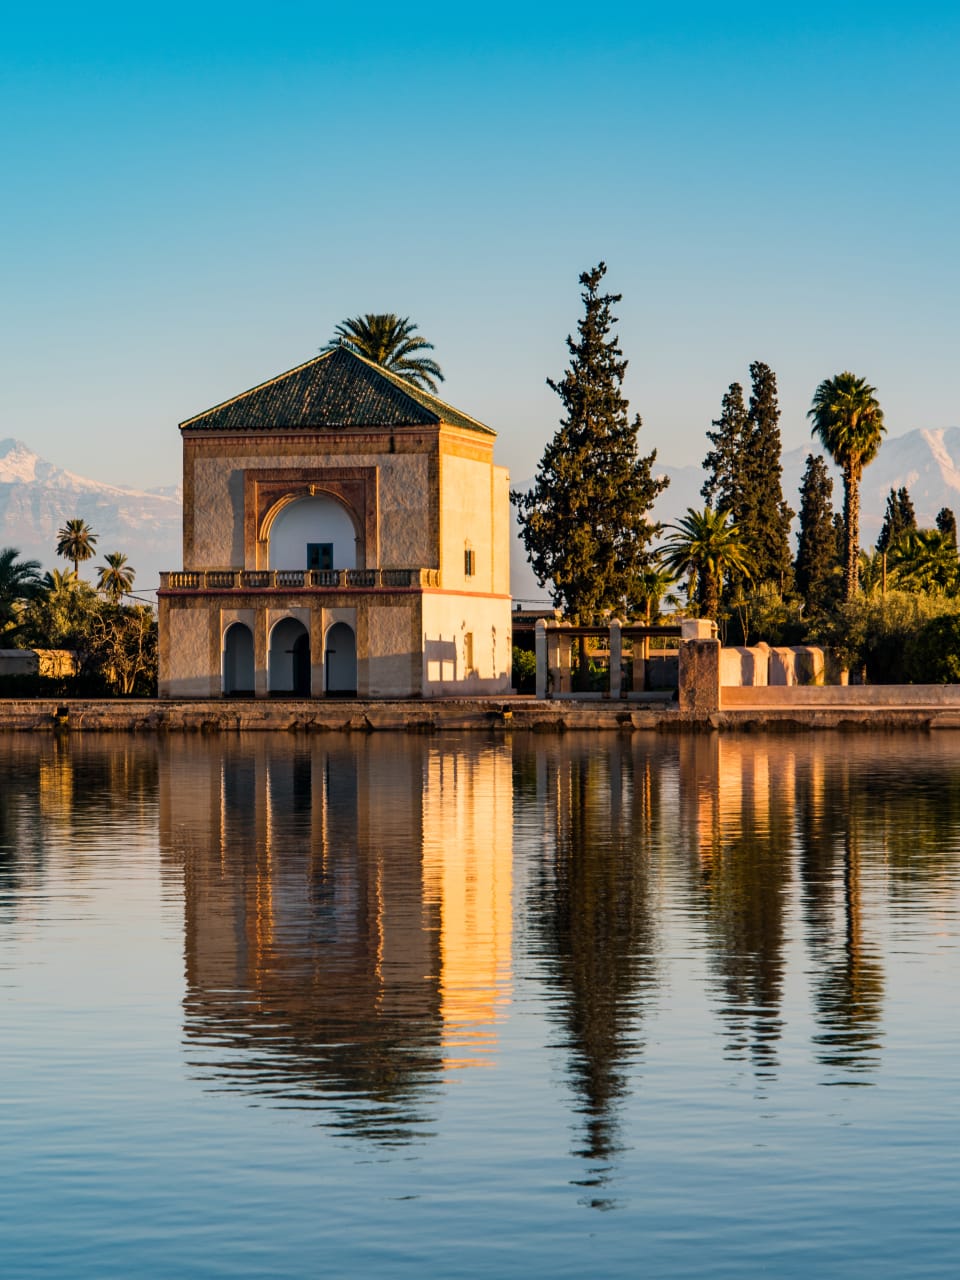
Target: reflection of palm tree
x=390 y=341
x=115 y=578
x=848 y=421
x=848 y=991
x=708 y=545
x=77 y=541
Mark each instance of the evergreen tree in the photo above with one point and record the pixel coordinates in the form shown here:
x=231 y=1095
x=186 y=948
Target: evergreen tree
x=743 y=474
x=765 y=519
x=817 y=556
x=947 y=523
x=840 y=535
x=723 y=490
x=585 y=523
x=900 y=518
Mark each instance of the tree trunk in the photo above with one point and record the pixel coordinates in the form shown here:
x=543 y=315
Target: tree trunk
x=851 y=520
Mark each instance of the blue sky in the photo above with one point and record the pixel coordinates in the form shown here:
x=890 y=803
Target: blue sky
x=196 y=195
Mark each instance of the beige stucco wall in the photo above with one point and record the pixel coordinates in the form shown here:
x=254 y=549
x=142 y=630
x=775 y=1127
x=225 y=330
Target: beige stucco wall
x=447 y=622
x=391 y=667
x=468 y=499
x=214 y=496
x=189 y=651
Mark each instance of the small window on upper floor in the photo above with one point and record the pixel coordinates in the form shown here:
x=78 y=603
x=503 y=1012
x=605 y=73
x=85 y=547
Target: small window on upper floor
x=469 y=562
x=320 y=555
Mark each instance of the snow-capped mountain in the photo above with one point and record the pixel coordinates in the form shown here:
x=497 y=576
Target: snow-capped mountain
x=37 y=498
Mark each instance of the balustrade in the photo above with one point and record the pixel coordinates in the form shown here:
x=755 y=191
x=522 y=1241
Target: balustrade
x=296 y=579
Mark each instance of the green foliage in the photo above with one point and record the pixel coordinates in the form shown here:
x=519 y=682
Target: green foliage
x=19 y=582
x=898 y=519
x=947 y=523
x=765 y=519
x=524 y=670
x=925 y=560
x=817 y=566
x=871 y=633
x=707 y=546
x=114 y=645
x=390 y=341
x=723 y=489
x=932 y=652
x=848 y=421
x=762 y=613
x=743 y=474
x=585 y=523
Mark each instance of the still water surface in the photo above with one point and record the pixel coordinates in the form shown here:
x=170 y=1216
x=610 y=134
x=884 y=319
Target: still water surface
x=579 y=1006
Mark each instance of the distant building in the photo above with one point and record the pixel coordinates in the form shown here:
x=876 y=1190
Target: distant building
x=344 y=533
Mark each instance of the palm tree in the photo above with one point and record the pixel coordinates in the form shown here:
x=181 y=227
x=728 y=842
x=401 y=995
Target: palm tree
x=925 y=560
x=77 y=541
x=848 y=420
x=388 y=341
x=19 y=580
x=707 y=545
x=652 y=586
x=115 y=577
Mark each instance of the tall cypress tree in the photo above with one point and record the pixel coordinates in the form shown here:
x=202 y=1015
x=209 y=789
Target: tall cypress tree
x=947 y=523
x=898 y=519
x=585 y=523
x=723 y=489
x=765 y=520
x=817 y=557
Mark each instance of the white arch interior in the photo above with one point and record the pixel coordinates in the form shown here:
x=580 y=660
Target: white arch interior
x=318 y=522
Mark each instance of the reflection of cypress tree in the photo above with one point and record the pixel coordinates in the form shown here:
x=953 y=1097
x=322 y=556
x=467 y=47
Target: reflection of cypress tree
x=592 y=913
x=743 y=872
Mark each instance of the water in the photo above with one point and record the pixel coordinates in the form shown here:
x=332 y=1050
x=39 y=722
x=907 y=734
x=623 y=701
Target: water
x=555 y=1006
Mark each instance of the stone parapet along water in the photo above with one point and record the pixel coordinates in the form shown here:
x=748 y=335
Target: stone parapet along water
x=909 y=707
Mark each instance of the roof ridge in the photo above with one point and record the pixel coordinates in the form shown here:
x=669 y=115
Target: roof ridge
x=416 y=393
x=260 y=386
x=337 y=388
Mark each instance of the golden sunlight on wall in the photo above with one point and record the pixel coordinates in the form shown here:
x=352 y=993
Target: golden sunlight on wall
x=468 y=875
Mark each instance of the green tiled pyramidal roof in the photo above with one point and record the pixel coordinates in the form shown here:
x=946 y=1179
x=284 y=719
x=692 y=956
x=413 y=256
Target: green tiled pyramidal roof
x=335 y=391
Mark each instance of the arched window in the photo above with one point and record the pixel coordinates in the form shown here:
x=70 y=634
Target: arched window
x=313 y=533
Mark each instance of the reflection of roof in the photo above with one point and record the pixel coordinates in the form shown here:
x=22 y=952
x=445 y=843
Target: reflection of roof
x=336 y=390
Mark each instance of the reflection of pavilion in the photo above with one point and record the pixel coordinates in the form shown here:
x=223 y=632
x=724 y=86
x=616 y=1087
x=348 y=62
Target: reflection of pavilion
x=347 y=915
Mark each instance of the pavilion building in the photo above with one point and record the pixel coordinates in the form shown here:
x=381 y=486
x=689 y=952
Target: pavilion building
x=344 y=533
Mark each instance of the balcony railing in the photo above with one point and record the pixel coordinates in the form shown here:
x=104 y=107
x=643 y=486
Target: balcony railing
x=296 y=579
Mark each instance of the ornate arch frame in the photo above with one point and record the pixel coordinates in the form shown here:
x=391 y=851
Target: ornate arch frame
x=267 y=492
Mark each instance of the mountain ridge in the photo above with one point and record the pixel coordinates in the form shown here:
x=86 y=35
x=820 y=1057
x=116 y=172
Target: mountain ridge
x=37 y=498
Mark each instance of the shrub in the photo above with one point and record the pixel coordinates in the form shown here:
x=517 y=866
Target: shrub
x=932 y=654
x=524 y=670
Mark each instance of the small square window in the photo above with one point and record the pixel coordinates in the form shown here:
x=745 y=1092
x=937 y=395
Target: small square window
x=469 y=563
x=320 y=555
